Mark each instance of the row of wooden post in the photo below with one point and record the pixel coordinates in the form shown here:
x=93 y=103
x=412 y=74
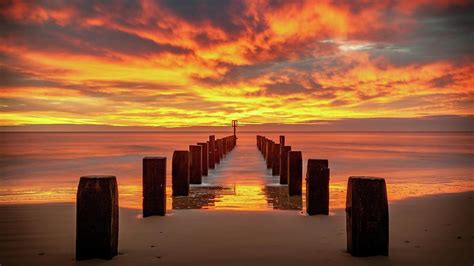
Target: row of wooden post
x=366 y=204
x=97 y=196
x=188 y=167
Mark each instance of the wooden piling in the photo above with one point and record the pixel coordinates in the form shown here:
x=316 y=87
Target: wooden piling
x=276 y=160
x=367 y=219
x=269 y=154
x=212 y=149
x=204 y=158
x=97 y=218
x=295 y=173
x=284 y=164
x=180 y=173
x=282 y=141
x=224 y=147
x=154 y=186
x=195 y=168
x=317 y=187
x=217 y=157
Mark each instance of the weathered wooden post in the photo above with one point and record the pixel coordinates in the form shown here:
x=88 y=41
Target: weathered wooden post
x=204 y=157
x=195 y=168
x=284 y=164
x=224 y=147
x=367 y=216
x=282 y=140
x=276 y=159
x=317 y=187
x=97 y=218
x=264 y=148
x=221 y=148
x=295 y=173
x=269 y=154
x=217 y=157
x=154 y=186
x=180 y=173
x=212 y=149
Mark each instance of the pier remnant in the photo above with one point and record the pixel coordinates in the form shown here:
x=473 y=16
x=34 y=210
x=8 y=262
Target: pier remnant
x=269 y=154
x=204 y=157
x=367 y=221
x=317 y=187
x=284 y=164
x=97 y=218
x=195 y=168
x=276 y=159
x=217 y=156
x=154 y=186
x=180 y=173
x=282 y=141
x=212 y=150
x=295 y=173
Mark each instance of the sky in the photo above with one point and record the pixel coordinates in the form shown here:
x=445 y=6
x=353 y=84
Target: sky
x=177 y=63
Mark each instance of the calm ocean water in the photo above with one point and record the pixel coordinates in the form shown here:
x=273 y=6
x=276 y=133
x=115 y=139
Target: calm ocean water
x=45 y=167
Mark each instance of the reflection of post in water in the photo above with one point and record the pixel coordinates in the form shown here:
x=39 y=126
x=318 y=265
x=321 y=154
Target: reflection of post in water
x=200 y=198
x=277 y=196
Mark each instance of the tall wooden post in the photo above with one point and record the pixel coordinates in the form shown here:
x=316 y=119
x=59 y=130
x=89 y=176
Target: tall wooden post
x=295 y=173
x=234 y=125
x=276 y=160
x=212 y=149
x=264 y=148
x=195 y=169
x=317 y=187
x=97 y=218
x=224 y=147
x=285 y=150
x=367 y=216
x=269 y=154
x=282 y=140
x=217 y=157
x=180 y=173
x=154 y=186
x=204 y=158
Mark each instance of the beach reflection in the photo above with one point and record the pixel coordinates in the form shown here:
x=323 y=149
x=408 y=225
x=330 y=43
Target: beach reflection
x=45 y=167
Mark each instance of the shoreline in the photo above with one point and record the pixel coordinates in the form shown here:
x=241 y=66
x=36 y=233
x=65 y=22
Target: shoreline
x=428 y=230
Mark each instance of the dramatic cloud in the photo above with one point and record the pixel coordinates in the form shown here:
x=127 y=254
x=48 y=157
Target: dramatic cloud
x=195 y=63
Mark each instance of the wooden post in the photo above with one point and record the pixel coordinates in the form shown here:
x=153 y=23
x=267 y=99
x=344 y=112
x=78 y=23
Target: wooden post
x=154 y=186
x=195 y=168
x=269 y=154
x=212 y=149
x=367 y=216
x=204 y=158
x=224 y=147
x=97 y=218
x=282 y=140
x=284 y=164
x=180 y=173
x=276 y=160
x=217 y=157
x=295 y=173
x=317 y=187
x=264 y=148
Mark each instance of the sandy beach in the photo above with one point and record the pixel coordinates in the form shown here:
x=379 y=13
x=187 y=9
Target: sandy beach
x=431 y=230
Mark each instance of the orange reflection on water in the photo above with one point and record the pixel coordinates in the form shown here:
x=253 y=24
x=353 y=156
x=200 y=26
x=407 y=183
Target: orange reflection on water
x=43 y=168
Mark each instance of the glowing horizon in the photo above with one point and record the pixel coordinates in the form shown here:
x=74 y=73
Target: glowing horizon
x=193 y=63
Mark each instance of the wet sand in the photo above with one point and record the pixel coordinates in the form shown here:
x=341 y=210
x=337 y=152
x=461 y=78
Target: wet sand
x=431 y=230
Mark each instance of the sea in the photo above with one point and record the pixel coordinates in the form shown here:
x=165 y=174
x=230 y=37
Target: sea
x=43 y=167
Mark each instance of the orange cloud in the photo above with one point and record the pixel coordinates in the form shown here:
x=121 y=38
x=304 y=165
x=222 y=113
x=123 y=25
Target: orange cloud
x=167 y=63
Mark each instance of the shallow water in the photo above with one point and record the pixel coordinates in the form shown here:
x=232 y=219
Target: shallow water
x=45 y=167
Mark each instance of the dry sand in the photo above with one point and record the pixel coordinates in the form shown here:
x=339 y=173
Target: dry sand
x=433 y=230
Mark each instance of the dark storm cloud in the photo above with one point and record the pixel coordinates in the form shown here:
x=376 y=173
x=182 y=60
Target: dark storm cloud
x=439 y=34
x=98 y=41
x=220 y=13
x=11 y=78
